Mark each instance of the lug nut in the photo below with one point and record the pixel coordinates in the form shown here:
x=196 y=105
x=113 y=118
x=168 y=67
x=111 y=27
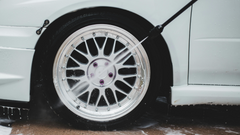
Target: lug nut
x=106 y=64
x=110 y=75
x=101 y=81
x=95 y=64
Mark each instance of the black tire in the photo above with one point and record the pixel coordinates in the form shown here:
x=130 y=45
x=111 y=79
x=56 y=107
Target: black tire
x=53 y=48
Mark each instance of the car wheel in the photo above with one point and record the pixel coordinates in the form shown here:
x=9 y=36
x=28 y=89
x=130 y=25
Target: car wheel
x=84 y=47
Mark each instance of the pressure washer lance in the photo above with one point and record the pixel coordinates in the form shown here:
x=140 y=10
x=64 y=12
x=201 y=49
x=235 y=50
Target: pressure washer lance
x=156 y=31
x=153 y=33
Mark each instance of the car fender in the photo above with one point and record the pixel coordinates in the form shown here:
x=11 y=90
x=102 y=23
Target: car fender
x=32 y=13
x=27 y=16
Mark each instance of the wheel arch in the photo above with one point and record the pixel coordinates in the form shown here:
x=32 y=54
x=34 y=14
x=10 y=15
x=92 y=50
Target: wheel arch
x=54 y=25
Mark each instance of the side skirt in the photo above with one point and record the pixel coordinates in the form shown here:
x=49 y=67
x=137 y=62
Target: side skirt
x=205 y=94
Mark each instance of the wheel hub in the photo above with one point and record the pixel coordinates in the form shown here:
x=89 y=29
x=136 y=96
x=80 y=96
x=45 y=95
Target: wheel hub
x=97 y=74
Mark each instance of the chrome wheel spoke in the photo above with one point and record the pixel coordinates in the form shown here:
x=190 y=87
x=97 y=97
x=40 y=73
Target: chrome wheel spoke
x=114 y=46
x=88 y=56
x=76 y=78
x=115 y=55
x=121 y=77
x=105 y=98
x=124 y=59
x=98 y=99
x=122 y=92
x=74 y=68
x=87 y=48
x=125 y=82
x=128 y=66
x=82 y=89
x=103 y=46
x=89 y=95
x=82 y=65
x=113 y=88
x=100 y=51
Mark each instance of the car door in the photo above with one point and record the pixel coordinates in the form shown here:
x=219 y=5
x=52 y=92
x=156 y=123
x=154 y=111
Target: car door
x=214 y=54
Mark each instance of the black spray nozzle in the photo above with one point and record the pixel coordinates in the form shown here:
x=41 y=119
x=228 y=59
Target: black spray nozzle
x=155 y=32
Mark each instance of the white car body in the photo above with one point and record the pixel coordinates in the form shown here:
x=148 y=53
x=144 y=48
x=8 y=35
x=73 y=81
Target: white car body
x=204 y=44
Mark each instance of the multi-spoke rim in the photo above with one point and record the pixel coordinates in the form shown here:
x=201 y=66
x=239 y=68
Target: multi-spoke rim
x=93 y=78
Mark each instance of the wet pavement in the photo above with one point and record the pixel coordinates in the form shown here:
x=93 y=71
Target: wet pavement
x=160 y=120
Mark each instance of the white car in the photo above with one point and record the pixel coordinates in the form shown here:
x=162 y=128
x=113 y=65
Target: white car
x=81 y=55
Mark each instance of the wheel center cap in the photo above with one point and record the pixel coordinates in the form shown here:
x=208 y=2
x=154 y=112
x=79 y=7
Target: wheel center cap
x=98 y=74
x=99 y=70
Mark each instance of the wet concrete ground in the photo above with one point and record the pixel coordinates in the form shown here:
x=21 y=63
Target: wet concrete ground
x=161 y=120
